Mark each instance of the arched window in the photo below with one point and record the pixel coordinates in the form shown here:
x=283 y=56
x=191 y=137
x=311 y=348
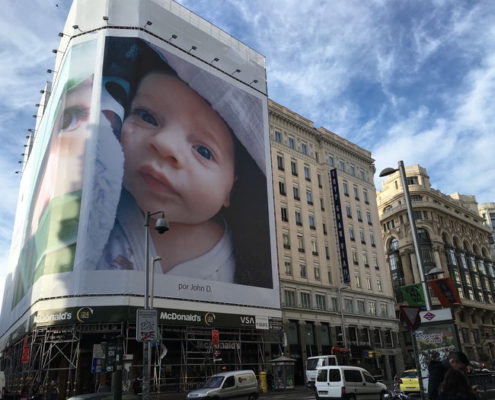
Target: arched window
x=453 y=264
x=426 y=249
x=394 y=245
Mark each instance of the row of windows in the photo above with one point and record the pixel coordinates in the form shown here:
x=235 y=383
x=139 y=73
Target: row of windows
x=355 y=259
x=355 y=190
x=301 y=245
x=291 y=142
x=418 y=216
x=297 y=194
x=284 y=214
x=362 y=236
x=369 y=283
x=346 y=167
x=295 y=170
x=308 y=300
x=359 y=214
x=363 y=335
x=303 y=271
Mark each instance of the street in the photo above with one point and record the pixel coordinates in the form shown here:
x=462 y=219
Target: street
x=300 y=393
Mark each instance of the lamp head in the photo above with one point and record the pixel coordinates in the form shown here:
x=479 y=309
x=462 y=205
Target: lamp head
x=161 y=225
x=387 y=171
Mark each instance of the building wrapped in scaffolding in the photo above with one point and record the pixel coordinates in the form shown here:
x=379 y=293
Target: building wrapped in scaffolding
x=81 y=357
x=152 y=113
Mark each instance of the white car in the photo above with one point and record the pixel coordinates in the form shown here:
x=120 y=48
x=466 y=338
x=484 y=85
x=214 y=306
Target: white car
x=346 y=382
x=227 y=385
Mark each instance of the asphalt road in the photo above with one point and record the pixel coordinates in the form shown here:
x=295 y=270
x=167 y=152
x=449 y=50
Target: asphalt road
x=296 y=394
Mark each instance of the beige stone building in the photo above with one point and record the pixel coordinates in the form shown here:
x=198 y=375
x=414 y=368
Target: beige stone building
x=454 y=242
x=316 y=305
x=487 y=212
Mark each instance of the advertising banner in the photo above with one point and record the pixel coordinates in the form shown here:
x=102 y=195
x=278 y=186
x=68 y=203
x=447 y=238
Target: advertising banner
x=135 y=126
x=434 y=342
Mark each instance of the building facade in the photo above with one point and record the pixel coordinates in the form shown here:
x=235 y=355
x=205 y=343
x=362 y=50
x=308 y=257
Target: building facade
x=454 y=242
x=323 y=314
x=487 y=212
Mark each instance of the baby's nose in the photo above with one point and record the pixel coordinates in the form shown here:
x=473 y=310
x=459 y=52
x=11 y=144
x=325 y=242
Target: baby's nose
x=168 y=144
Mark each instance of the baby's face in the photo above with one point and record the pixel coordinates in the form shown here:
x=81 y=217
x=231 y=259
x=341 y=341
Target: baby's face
x=179 y=153
x=63 y=171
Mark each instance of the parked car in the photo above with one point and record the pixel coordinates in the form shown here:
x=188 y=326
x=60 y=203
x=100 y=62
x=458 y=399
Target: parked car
x=409 y=382
x=227 y=385
x=312 y=364
x=347 y=382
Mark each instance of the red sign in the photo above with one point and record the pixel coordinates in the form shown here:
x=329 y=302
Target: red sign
x=25 y=355
x=337 y=349
x=215 y=337
x=217 y=353
x=445 y=291
x=25 y=351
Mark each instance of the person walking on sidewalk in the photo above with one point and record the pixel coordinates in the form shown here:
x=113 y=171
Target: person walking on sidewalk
x=455 y=386
x=438 y=369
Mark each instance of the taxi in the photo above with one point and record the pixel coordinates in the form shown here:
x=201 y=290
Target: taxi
x=409 y=382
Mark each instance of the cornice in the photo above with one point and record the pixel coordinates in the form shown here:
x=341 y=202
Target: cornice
x=320 y=135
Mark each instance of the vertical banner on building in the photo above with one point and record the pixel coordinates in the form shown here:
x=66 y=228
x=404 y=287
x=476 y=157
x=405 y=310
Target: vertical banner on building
x=215 y=337
x=346 y=277
x=26 y=350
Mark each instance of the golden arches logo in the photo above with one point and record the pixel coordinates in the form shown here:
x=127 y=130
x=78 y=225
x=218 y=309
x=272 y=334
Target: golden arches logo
x=84 y=313
x=209 y=318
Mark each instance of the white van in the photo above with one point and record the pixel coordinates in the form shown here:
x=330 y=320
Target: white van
x=312 y=363
x=228 y=385
x=346 y=382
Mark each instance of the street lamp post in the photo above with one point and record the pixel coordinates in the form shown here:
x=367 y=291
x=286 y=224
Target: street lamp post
x=342 y=318
x=161 y=226
x=414 y=232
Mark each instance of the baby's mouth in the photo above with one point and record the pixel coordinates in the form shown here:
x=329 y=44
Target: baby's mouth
x=157 y=182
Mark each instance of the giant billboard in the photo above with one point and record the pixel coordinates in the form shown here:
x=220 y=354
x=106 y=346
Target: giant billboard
x=135 y=125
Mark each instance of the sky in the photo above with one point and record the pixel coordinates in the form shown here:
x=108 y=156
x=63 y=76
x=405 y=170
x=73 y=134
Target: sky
x=408 y=80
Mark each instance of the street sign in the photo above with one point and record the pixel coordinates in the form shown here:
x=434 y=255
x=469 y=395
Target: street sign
x=442 y=314
x=146 y=325
x=410 y=315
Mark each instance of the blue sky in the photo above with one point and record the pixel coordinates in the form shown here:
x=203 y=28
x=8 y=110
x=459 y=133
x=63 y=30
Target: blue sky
x=411 y=80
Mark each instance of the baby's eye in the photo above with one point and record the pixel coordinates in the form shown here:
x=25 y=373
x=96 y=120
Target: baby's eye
x=204 y=152
x=73 y=117
x=145 y=116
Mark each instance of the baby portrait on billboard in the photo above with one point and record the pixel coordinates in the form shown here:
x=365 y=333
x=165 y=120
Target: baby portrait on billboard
x=54 y=178
x=193 y=148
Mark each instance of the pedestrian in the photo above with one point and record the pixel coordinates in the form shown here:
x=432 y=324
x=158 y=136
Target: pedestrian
x=53 y=390
x=437 y=370
x=455 y=386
